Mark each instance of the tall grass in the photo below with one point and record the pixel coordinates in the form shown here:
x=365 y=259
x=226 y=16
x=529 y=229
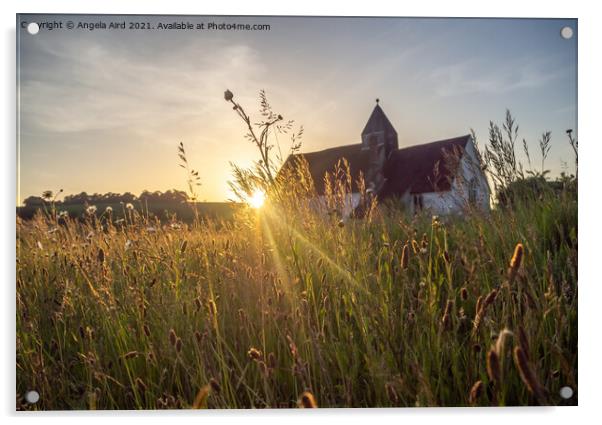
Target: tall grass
x=256 y=312
x=290 y=306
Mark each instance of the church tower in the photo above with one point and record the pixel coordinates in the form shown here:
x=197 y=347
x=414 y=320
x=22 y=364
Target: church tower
x=380 y=139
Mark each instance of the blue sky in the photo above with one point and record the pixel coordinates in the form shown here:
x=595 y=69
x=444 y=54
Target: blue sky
x=104 y=110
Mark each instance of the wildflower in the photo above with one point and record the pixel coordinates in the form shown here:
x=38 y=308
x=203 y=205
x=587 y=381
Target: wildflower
x=109 y=209
x=91 y=210
x=307 y=401
x=129 y=206
x=175 y=226
x=63 y=214
x=228 y=95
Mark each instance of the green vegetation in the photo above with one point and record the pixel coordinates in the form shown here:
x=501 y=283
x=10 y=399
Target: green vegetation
x=376 y=312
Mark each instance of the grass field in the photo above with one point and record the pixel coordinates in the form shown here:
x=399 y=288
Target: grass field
x=276 y=308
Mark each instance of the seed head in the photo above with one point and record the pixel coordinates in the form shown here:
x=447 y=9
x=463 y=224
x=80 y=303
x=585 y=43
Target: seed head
x=172 y=337
x=271 y=361
x=516 y=261
x=140 y=385
x=215 y=386
x=254 y=353
x=523 y=341
x=228 y=96
x=446 y=319
x=493 y=366
x=475 y=392
x=405 y=257
x=212 y=307
x=527 y=375
x=307 y=401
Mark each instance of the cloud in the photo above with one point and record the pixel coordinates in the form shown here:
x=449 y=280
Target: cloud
x=104 y=87
x=483 y=77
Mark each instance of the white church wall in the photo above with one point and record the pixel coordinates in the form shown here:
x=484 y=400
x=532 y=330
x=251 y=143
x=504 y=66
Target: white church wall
x=456 y=200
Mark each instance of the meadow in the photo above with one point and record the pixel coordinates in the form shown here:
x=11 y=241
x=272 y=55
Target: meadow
x=283 y=307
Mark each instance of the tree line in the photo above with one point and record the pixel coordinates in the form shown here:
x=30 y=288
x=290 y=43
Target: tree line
x=171 y=196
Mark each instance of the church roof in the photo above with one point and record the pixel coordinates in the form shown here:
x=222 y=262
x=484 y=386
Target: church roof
x=324 y=161
x=418 y=169
x=423 y=168
x=378 y=121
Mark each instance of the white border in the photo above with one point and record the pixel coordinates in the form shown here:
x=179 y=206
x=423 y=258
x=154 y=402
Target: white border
x=590 y=296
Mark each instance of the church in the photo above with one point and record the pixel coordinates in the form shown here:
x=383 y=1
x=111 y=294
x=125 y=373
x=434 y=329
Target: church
x=442 y=177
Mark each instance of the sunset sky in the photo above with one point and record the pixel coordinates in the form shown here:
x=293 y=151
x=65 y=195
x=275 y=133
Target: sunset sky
x=104 y=110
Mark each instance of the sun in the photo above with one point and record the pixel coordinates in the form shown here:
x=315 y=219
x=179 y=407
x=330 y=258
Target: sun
x=257 y=199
